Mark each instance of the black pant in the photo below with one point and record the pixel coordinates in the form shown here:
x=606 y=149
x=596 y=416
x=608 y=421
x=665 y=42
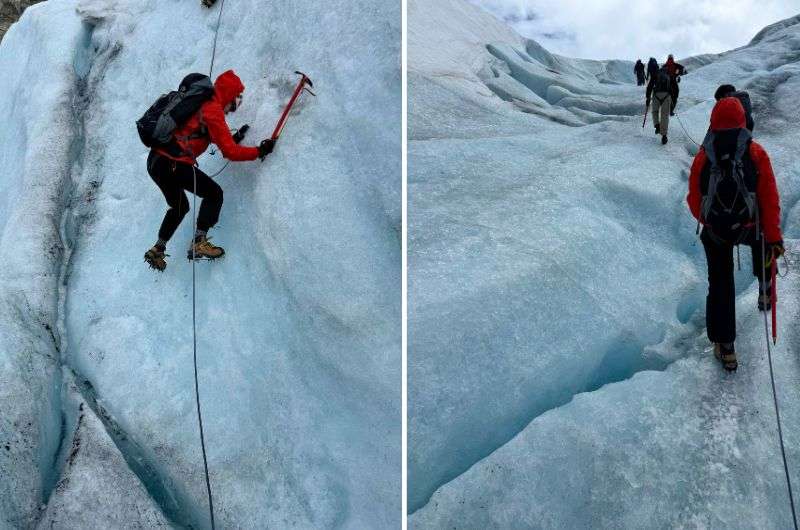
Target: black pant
x=721 y=299
x=173 y=178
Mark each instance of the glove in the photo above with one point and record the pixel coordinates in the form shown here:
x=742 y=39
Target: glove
x=238 y=136
x=208 y=3
x=775 y=250
x=265 y=148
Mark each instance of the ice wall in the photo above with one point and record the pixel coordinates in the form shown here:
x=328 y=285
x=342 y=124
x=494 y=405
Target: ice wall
x=551 y=253
x=298 y=328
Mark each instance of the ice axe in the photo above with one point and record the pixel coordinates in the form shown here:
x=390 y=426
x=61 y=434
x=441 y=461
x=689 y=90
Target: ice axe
x=301 y=87
x=773 y=296
x=646 y=107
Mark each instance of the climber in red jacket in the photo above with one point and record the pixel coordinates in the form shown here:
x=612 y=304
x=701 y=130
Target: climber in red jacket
x=173 y=168
x=732 y=193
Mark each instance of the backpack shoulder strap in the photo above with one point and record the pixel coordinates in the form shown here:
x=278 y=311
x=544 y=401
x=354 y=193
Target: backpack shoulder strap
x=708 y=146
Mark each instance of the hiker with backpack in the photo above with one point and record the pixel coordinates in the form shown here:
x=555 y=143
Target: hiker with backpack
x=179 y=128
x=676 y=70
x=733 y=195
x=652 y=68
x=658 y=92
x=638 y=69
x=725 y=91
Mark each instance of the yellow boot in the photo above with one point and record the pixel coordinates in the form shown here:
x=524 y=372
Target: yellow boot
x=727 y=355
x=155 y=258
x=203 y=249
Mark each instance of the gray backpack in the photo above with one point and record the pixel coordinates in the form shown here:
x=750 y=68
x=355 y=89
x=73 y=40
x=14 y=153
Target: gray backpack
x=728 y=183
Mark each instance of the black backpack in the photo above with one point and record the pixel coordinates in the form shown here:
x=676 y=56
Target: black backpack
x=728 y=185
x=663 y=82
x=157 y=126
x=652 y=67
x=744 y=98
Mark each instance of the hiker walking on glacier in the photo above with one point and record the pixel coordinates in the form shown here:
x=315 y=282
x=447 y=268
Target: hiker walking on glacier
x=733 y=195
x=173 y=167
x=658 y=92
x=676 y=70
x=652 y=68
x=724 y=91
x=638 y=69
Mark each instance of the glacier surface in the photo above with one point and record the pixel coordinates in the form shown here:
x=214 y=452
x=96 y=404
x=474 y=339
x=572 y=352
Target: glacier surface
x=298 y=328
x=559 y=373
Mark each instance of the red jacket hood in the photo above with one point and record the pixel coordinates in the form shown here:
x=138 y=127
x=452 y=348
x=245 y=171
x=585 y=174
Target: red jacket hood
x=227 y=87
x=728 y=113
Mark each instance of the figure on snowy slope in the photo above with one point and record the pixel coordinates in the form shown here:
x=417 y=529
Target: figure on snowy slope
x=675 y=70
x=659 y=91
x=652 y=68
x=638 y=69
x=172 y=166
x=732 y=193
x=725 y=91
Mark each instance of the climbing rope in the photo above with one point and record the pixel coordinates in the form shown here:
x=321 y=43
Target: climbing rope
x=762 y=291
x=685 y=131
x=194 y=299
x=221 y=170
x=194 y=349
x=216 y=33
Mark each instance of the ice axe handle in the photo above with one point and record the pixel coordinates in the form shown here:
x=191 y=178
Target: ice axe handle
x=305 y=80
x=774 y=299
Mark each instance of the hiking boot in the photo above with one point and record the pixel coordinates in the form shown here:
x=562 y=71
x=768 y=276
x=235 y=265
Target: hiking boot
x=658 y=129
x=726 y=354
x=664 y=140
x=203 y=249
x=764 y=302
x=155 y=258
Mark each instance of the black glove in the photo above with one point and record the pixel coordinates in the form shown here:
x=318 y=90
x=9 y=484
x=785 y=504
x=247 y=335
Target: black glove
x=208 y=3
x=265 y=148
x=238 y=136
x=775 y=251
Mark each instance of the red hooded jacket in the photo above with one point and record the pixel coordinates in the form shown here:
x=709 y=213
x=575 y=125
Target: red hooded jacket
x=211 y=117
x=674 y=68
x=728 y=113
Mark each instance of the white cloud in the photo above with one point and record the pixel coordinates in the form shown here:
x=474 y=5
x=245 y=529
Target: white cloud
x=623 y=29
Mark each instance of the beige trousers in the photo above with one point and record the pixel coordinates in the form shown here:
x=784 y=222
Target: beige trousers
x=661 y=104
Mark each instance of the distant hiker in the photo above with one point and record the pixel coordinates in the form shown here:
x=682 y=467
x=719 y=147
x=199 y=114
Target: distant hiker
x=725 y=91
x=639 y=71
x=676 y=70
x=652 y=68
x=732 y=193
x=173 y=164
x=658 y=92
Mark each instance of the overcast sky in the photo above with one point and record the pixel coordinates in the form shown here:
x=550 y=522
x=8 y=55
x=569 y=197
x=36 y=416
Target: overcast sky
x=627 y=29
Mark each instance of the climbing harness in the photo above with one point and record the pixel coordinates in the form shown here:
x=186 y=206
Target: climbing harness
x=685 y=131
x=762 y=291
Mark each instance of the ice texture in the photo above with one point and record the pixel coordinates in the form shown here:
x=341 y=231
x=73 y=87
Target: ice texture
x=298 y=328
x=559 y=374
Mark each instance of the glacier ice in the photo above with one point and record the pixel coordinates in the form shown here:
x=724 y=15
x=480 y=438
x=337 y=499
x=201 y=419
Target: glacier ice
x=299 y=326
x=551 y=254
